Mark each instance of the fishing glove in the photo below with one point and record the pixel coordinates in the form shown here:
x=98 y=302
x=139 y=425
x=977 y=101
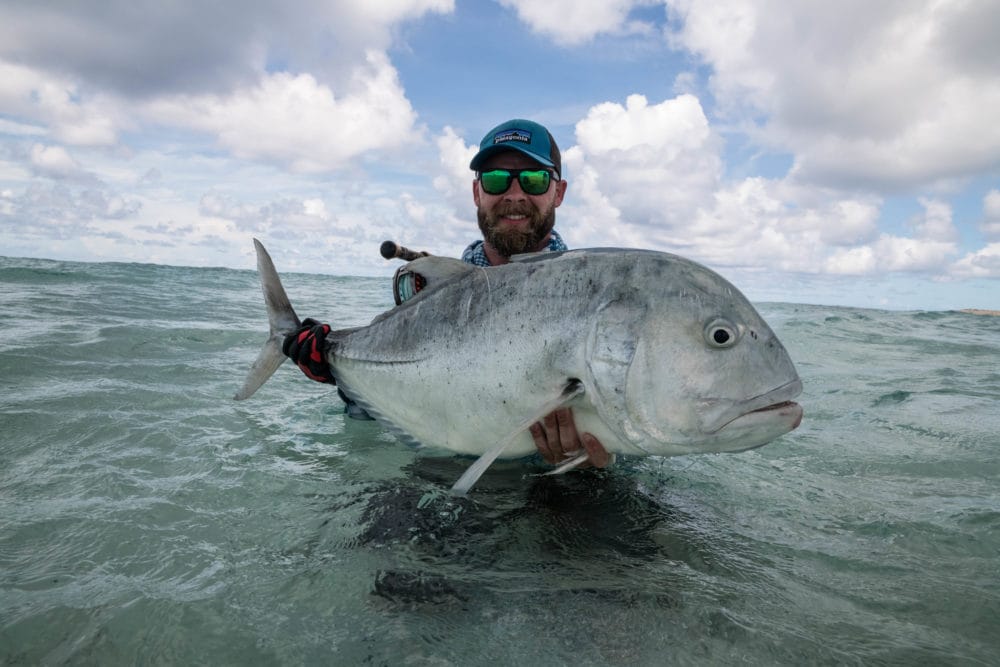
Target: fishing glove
x=305 y=347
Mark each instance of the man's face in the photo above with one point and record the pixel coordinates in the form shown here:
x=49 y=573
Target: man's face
x=515 y=222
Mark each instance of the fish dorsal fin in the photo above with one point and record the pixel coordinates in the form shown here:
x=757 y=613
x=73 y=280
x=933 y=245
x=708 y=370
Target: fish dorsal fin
x=573 y=389
x=539 y=256
x=436 y=270
x=425 y=275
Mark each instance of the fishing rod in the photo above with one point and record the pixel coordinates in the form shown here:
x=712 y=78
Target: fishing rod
x=392 y=250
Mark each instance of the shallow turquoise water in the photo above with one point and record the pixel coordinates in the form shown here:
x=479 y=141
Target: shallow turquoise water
x=147 y=518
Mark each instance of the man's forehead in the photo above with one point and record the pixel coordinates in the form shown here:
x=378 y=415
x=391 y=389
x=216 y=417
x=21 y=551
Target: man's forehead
x=511 y=160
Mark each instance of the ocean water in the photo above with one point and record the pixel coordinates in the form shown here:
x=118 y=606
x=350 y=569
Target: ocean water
x=146 y=518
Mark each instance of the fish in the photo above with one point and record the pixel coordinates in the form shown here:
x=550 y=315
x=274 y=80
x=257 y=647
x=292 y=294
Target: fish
x=657 y=355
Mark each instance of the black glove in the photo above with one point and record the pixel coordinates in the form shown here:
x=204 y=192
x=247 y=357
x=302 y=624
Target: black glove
x=305 y=346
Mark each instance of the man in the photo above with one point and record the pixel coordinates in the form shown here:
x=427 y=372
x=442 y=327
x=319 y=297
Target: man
x=517 y=188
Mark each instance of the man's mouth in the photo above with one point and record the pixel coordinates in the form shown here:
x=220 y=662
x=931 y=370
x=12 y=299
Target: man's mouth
x=515 y=218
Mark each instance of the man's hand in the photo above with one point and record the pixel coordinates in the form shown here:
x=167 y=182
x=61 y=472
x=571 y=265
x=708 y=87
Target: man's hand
x=557 y=440
x=305 y=346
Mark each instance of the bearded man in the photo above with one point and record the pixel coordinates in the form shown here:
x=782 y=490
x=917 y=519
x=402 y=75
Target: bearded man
x=516 y=191
x=517 y=188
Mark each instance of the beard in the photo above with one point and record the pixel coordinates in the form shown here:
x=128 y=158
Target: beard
x=516 y=239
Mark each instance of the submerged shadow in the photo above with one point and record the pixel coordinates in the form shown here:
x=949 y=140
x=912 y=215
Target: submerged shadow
x=518 y=524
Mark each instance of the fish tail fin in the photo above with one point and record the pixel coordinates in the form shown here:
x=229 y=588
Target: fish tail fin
x=281 y=318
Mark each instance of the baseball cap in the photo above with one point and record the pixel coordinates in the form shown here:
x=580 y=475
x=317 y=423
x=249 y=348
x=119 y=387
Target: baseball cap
x=525 y=136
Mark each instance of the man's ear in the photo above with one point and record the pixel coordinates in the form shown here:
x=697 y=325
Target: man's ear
x=560 y=192
x=475 y=192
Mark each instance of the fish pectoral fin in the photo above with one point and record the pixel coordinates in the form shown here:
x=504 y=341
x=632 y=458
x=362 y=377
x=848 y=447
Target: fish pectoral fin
x=573 y=389
x=566 y=466
x=572 y=463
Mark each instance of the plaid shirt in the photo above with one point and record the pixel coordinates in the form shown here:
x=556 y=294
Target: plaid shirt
x=475 y=254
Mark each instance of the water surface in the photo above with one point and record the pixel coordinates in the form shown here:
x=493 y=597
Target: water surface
x=147 y=518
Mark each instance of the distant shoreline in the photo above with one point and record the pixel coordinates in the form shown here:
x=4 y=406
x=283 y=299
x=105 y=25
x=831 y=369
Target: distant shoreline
x=977 y=311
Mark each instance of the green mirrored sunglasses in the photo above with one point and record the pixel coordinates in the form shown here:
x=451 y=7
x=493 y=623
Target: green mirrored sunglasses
x=532 y=181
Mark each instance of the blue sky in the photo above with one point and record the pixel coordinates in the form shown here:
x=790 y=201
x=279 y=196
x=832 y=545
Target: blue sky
x=835 y=153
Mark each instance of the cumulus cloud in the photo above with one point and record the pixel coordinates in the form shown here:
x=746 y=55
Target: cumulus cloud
x=455 y=179
x=758 y=222
x=296 y=120
x=270 y=81
x=137 y=48
x=651 y=163
x=570 y=22
x=930 y=250
x=63 y=210
x=146 y=48
x=20 y=129
x=885 y=95
x=651 y=175
x=54 y=161
x=57 y=104
x=983 y=263
x=991 y=214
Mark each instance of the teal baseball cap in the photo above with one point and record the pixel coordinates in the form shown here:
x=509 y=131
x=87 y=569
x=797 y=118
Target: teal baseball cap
x=521 y=135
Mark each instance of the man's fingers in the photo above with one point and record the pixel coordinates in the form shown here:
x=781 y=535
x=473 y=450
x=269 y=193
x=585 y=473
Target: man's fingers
x=542 y=442
x=569 y=441
x=557 y=440
x=550 y=425
x=598 y=456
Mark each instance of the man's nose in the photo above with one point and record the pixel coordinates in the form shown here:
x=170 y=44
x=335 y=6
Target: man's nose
x=514 y=192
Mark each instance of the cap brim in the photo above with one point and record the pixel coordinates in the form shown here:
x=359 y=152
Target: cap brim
x=489 y=151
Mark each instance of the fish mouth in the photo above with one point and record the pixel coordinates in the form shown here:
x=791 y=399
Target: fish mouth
x=783 y=408
x=778 y=401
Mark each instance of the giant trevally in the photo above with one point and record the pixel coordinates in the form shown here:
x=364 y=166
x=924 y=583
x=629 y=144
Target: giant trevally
x=656 y=354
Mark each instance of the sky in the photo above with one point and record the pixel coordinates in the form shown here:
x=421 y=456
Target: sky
x=840 y=153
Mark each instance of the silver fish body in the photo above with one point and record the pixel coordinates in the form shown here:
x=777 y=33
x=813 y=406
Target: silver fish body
x=671 y=358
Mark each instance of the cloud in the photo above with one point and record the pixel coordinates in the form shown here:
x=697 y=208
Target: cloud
x=650 y=175
x=143 y=49
x=297 y=121
x=930 y=250
x=63 y=211
x=56 y=163
x=455 y=181
x=865 y=96
x=138 y=48
x=652 y=164
x=983 y=263
x=173 y=132
x=991 y=214
x=307 y=85
x=571 y=23
x=56 y=107
x=20 y=129
x=53 y=161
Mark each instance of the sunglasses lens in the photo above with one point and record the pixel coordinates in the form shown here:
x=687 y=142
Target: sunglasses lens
x=534 y=182
x=495 y=182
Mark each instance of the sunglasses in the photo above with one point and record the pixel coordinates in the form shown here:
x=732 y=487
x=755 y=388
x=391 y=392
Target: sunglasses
x=532 y=181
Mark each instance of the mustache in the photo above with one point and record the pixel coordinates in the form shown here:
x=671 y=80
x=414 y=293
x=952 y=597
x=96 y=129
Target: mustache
x=526 y=208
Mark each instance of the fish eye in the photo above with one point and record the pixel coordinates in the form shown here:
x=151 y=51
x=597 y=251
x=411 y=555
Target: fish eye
x=720 y=334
